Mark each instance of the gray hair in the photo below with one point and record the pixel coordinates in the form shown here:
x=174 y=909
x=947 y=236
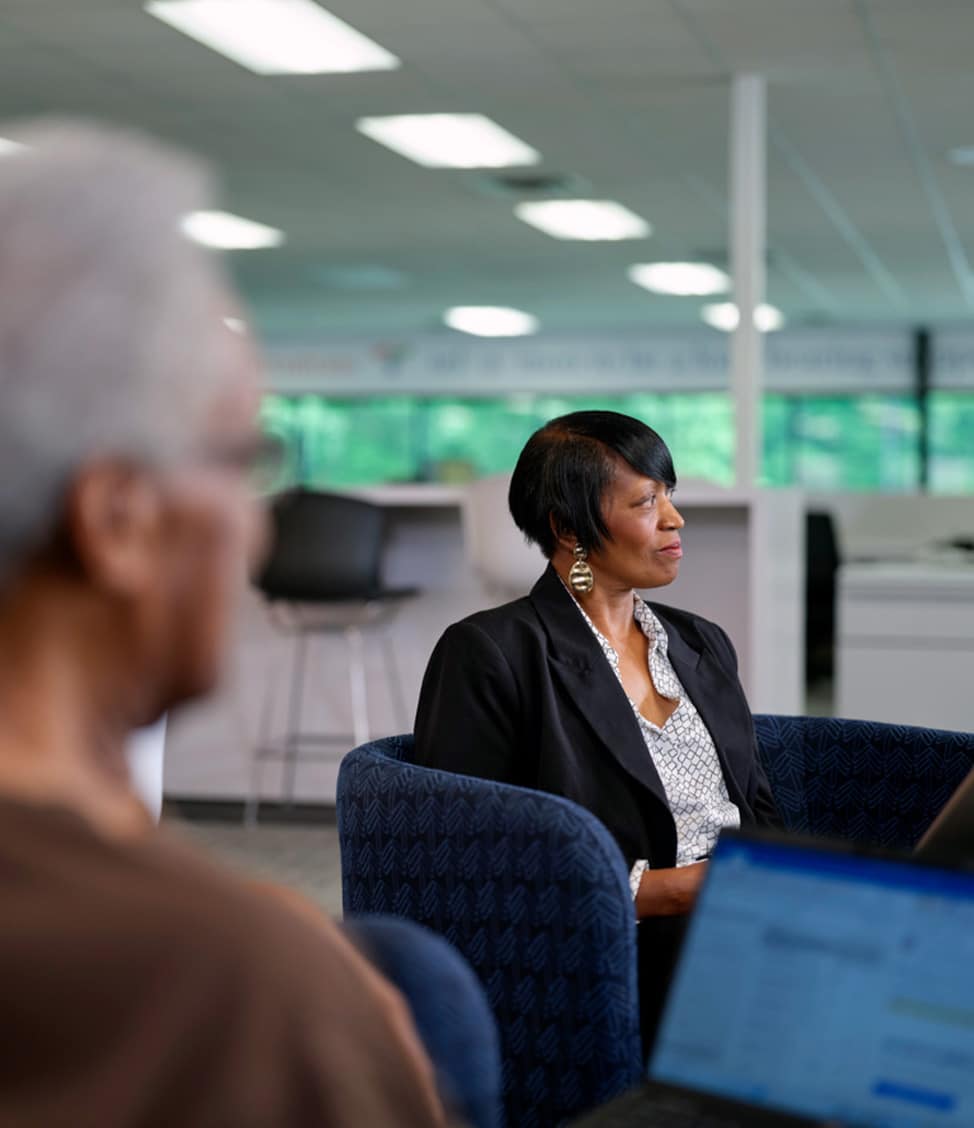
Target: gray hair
x=109 y=319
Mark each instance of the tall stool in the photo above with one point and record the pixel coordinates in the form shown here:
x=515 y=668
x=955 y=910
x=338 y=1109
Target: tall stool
x=323 y=577
x=498 y=553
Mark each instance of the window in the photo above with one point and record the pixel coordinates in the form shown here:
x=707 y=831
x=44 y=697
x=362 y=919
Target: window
x=866 y=442
x=952 y=442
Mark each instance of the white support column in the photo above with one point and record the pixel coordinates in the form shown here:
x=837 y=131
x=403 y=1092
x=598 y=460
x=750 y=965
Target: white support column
x=748 y=181
x=145 y=754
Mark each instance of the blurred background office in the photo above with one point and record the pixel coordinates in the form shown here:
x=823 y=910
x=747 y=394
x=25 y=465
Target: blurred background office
x=747 y=222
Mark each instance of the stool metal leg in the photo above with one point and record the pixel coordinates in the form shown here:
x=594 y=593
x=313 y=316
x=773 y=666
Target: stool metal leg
x=357 y=683
x=252 y=807
x=291 y=740
x=396 y=695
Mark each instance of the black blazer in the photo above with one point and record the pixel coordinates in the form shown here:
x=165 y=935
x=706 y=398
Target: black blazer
x=523 y=694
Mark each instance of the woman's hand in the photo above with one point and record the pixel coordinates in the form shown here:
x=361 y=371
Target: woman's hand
x=669 y=892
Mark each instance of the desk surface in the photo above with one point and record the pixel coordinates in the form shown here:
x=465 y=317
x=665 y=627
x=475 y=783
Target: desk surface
x=413 y=495
x=937 y=577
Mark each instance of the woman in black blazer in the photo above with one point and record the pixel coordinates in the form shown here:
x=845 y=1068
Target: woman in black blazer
x=633 y=710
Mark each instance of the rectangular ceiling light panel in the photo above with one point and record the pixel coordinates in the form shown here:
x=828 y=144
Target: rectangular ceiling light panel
x=725 y=316
x=227 y=232
x=592 y=220
x=449 y=140
x=275 y=36
x=491 y=321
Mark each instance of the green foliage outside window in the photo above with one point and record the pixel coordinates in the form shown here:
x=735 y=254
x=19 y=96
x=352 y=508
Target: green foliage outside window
x=952 y=442
x=866 y=442
x=338 y=442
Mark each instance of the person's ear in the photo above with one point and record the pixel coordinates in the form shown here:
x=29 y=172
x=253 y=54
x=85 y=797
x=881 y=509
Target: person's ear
x=564 y=538
x=113 y=514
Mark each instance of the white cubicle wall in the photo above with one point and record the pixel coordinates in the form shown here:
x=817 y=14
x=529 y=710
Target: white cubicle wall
x=744 y=568
x=905 y=608
x=906 y=643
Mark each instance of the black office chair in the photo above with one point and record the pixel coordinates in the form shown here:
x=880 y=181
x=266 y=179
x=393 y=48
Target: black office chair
x=323 y=577
x=821 y=564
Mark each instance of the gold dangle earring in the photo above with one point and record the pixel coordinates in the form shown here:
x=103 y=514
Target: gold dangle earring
x=580 y=578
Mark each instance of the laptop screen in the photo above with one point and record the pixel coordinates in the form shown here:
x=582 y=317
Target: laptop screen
x=828 y=984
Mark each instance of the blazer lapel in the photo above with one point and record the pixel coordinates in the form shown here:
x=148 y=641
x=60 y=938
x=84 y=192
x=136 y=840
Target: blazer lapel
x=710 y=689
x=584 y=672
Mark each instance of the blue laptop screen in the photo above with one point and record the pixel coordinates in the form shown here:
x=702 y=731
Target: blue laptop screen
x=827 y=984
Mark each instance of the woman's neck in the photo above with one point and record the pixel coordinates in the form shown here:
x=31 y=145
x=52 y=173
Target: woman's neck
x=608 y=605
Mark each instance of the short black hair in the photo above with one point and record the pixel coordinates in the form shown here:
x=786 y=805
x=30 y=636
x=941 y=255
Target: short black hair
x=566 y=467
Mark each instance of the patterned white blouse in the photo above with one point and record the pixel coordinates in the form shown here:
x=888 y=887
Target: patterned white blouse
x=682 y=751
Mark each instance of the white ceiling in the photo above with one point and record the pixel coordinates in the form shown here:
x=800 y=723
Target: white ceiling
x=868 y=222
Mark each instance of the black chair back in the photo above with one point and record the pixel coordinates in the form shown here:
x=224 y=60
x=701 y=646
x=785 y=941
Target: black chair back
x=821 y=564
x=326 y=547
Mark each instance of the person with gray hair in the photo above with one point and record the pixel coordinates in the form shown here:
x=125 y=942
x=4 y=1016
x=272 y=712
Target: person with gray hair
x=141 y=984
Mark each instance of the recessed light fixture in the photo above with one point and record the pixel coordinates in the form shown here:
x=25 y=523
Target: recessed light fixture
x=962 y=156
x=520 y=184
x=682 y=278
x=449 y=140
x=227 y=232
x=725 y=316
x=593 y=220
x=491 y=321
x=8 y=147
x=275 y=36
x=235 y=324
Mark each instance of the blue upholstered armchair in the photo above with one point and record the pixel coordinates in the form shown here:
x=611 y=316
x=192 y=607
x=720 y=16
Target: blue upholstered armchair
x=861 y=780
x=534 y=892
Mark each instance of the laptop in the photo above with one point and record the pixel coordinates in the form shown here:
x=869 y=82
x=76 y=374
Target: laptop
x=818 y=985
x=951 y=834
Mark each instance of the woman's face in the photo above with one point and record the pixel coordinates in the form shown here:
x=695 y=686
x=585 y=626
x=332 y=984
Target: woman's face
x=643 y=547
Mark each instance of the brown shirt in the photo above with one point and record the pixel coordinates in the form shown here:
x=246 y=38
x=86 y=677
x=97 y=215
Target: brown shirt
x=142 y=986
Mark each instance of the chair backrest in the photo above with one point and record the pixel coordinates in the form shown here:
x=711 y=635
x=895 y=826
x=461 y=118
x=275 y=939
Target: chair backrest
x=821 y=564
x=449 y=1008
x=325 y=546
x=861 y=780
x=821 y=550
x=495 y=547
x=532 y=890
